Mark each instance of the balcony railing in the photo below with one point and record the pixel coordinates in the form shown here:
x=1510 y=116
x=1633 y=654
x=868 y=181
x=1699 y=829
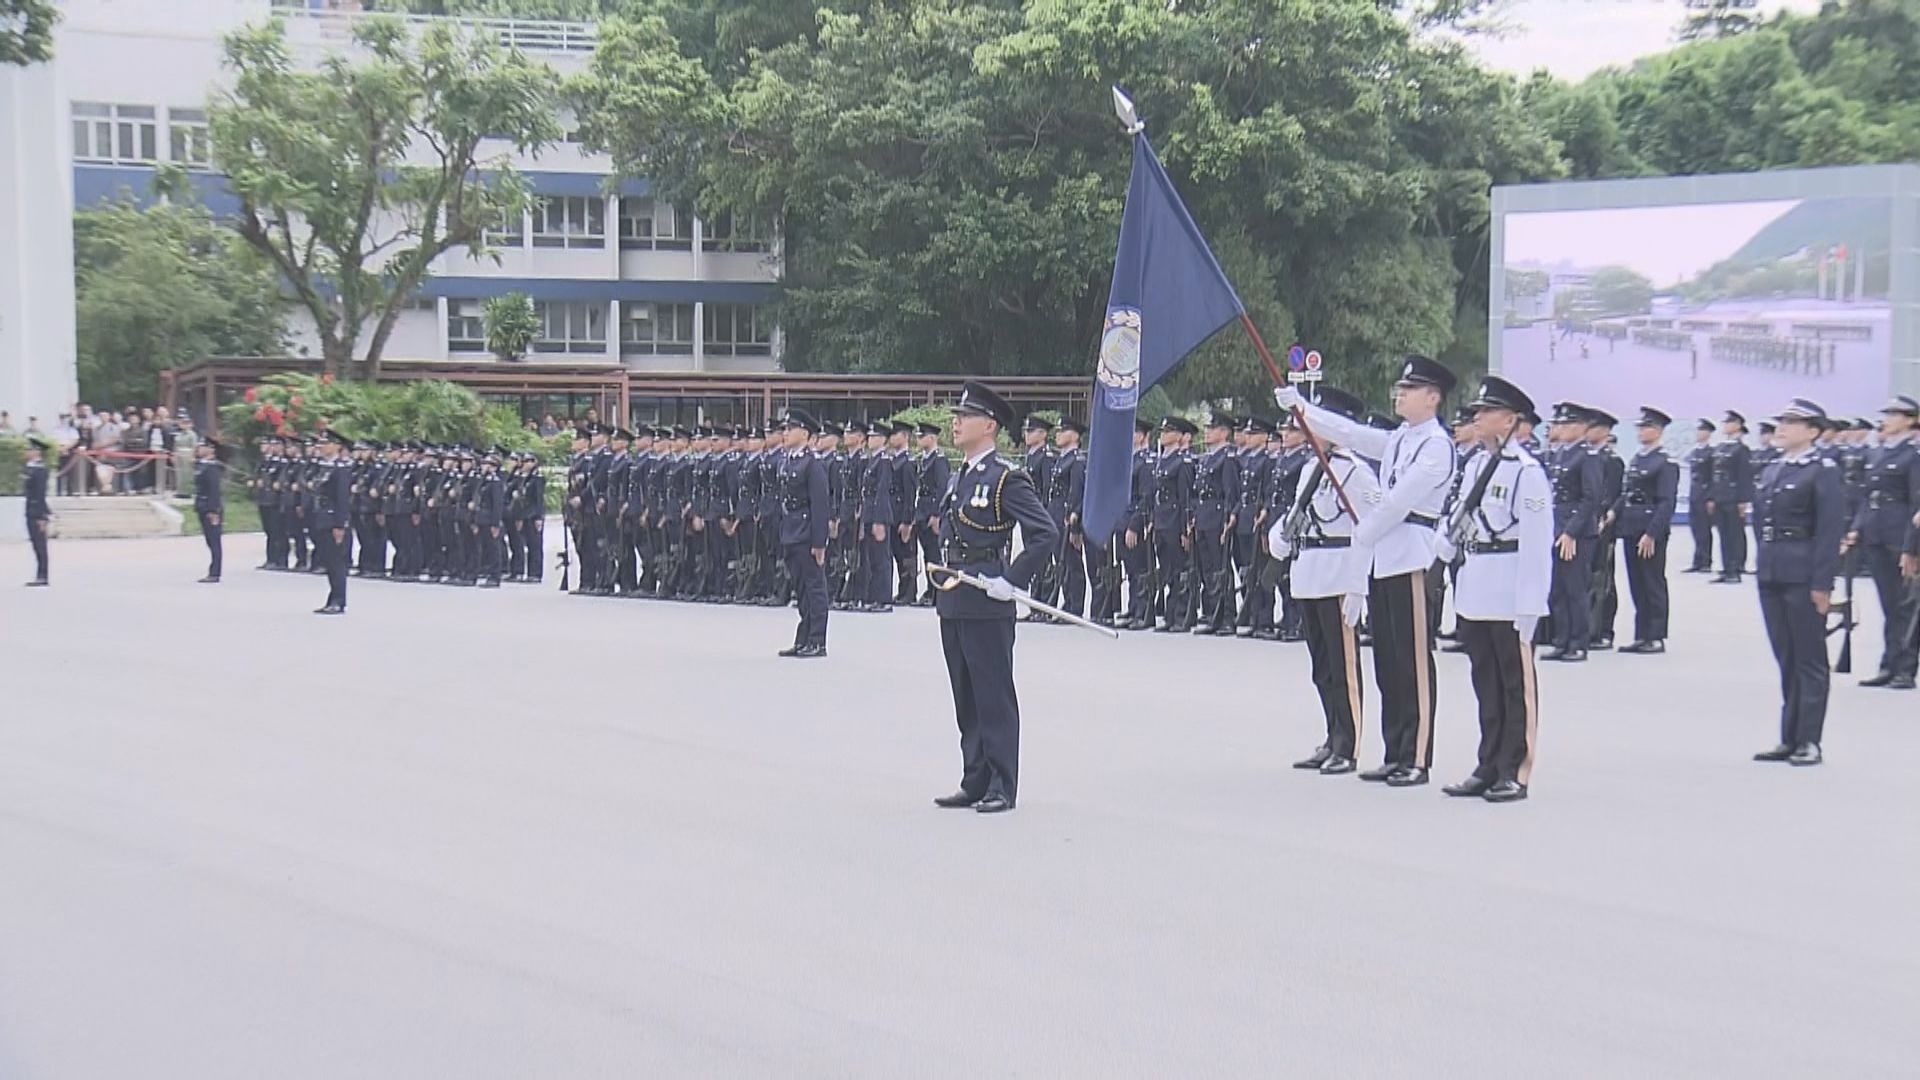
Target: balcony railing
x=335 y=19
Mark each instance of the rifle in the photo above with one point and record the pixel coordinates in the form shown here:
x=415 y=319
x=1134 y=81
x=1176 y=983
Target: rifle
x=1460 y=528
x=566 y=558
x=1849 y=565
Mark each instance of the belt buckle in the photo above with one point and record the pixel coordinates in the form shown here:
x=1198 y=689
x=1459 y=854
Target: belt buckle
x=1766 y=533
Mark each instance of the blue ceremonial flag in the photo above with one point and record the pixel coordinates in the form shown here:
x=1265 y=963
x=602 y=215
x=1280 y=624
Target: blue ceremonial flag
x=1168 y=297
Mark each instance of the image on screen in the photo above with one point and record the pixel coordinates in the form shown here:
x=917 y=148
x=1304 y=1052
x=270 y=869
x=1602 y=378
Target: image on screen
x=1697 y=309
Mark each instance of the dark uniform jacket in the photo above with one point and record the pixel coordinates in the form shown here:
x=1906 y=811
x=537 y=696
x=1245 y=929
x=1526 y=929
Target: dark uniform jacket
x=1216 y=488
x=935 y=471
x=876 y=491
x=1648 y=495
x=804 y=505
x=1172 y=491
x=1891 y=492
x=1699 y=477
x=34 y=484
x=1575 y=472
x=1256 y=466
x=984 y=502
x=1732 y=474
x=207 y=496
x=332 y=494
x=490 y=501
x=1799 y=513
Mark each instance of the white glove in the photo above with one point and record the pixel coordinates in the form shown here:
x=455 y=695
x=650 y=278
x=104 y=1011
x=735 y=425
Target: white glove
x=1287 y=397
x=1444 y=550
x=1277 y=541
x=1526 y=624
x=1351 y=607
x=999 y=588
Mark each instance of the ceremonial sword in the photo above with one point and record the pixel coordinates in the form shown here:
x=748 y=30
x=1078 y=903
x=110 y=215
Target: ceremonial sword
x=956 y=577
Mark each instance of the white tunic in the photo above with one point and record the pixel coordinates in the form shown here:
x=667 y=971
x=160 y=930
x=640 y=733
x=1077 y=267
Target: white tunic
x=1416 y=469
x=1320 y=572
x=1517 y=507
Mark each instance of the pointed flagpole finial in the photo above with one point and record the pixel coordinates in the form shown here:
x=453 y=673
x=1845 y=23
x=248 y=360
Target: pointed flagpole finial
x=1123 y=108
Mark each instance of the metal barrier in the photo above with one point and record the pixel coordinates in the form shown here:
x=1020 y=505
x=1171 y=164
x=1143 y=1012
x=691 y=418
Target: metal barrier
x=531 y=35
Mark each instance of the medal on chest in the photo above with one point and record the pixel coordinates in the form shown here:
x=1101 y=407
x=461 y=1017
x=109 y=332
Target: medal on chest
x=979 y=497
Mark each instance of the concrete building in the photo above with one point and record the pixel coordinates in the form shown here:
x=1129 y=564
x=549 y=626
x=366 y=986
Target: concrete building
x=618 y=276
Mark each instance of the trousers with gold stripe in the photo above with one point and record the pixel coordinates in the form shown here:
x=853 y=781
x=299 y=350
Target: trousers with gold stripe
x=1503 y=681
x=1334 y=648
x=1403 y=666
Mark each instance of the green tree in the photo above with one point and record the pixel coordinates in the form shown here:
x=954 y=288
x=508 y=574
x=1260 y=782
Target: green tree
x=353 y=178
x=159 y=287
x=511 y=325
x=1618 y=290
x=26 y=31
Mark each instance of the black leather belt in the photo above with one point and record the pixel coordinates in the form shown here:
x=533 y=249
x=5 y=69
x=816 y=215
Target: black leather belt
x=1310 y=542
x=960 y=555
x=1768 y=533
x=1423 y=521
x=1493 y=547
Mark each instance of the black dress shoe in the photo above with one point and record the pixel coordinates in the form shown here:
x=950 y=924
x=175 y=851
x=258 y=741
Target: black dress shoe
x=37 y=583
x=1469 y=787
x=1726 y=579
x=1883 y=679
x=1314 y=760
x=994 y=803
x=1805 y=754
x=811 y=652
x=879 y=609
x=1407 y=776
x=1571 y=656
x=1380 y=773
x=330 y=609
x=209 y=580
x=1336 y=766
x=1697 y=570
x=1778 y=753
x=1901 y=682
x=959 y=800
x=1557 y=655
x=1506 y=791
x=1604 y=644
x=790 y=651
x=1645 y=648
x=1266 y=635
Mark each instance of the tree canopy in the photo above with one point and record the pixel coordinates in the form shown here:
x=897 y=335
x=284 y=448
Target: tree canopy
x=26 y=31
x=353 y=178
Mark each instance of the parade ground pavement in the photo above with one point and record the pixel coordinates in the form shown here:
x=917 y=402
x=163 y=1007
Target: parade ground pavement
x=464 y=833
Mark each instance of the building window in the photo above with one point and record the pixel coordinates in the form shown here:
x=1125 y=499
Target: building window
x=738 y=330
x=648 y=329
x=570 y=327
x=187 y=138
x=510 y=232
x=116 y=134
x=466 y=331
x=646 y=225
x=571 y=221
x=735 y=232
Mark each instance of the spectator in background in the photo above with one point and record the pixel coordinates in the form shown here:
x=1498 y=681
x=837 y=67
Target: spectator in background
x=181 y=447
x=158 y=472
x=133 y=442
x=106 y=437
x=6 y=423
x=66 y=439
x=548 y=428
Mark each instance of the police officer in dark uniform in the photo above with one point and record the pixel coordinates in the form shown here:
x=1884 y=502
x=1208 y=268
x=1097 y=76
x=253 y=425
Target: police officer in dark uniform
x=931 y=473
x=986 y=499
x=1250 y=556
x=850 y=469
x=906 y=554
x=1881 y=527
x=265 y=502
x=1066 y=488
x=1730 y=497
x=770 y=572
x=33 y=484
x=1172 y=543
x=1802 y=514
x=1604 y=589
x=1136 y=536
x=1699 y=487
x=1037 y=433
x=331 y=484
x=489 y=503
x=1576 y=475
x=804 y=512
x=209 y=502
x=1282 y=487
x=1216 y=495
x=1645 y=514
x=290 y=485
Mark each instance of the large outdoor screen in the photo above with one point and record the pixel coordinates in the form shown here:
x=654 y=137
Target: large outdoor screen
x=1701 y=307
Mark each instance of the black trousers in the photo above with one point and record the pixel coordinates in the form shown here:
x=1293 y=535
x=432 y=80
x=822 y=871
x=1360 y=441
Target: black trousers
x=1798 y=634
x=1072 y=561
x=1733 y=538
x=332 y=555
x=1138 y=563
x=1571 y=601
x=1603 y=592
x=1335 y=652
x=1701 y=524
x=929 y=540
x=876 y=564
x=516 y=550
x=533 y=535
x=810 y=580
x=906 y=555
x=1503 y=681
x=1247 y=552
x=1176 y=579
x=1898 y=655
x=1291 y=614
x=37 y=532
x=297 y=536
x=1403 y=666
x=1647 y=582
x=1216 y=578
x=1104 y=572
x=276 y=535
x=215 y=545
x=1046 y=580
x=979 y=656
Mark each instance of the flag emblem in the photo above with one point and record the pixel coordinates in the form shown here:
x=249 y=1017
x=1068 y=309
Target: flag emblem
x=1120 y=355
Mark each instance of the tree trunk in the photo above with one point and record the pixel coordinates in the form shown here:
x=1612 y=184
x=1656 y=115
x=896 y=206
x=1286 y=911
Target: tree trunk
x=336 y=356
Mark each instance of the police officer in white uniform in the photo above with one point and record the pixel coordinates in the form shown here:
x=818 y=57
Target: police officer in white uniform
x=1416 y=471
x=1504 y=526
x=1330 y=583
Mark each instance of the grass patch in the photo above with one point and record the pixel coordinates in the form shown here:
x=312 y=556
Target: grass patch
x=241 y=515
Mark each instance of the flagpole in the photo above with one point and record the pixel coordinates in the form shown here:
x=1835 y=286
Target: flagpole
x=1299 y=416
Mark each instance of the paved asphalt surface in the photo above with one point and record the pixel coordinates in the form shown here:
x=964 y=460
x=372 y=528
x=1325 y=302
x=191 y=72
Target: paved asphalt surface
x=463 y=833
